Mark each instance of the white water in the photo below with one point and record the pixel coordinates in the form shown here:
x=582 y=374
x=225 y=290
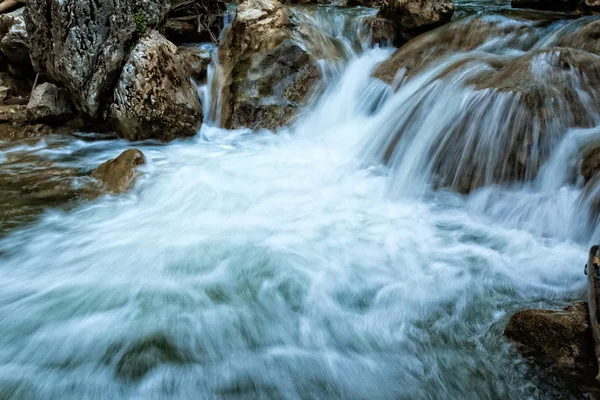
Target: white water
x=287 y=266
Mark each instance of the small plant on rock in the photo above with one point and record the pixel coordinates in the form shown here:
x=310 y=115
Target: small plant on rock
x=141 y=23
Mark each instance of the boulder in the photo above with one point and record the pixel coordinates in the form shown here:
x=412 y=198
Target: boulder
x=49 y=104
x=549 y=5
x=379 y=30
x=268 y=77
x=564 y=337
x=82 y=44
x=118 y=175
x=195 y=61
x=14 y=43
x=154 y=98
x=414 y=17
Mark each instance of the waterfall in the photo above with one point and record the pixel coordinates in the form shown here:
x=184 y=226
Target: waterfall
x=373 y=248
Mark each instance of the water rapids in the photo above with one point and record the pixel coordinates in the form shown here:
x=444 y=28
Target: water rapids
x=327 y=261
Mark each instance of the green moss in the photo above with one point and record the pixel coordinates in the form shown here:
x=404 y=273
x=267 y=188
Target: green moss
x=141 y=23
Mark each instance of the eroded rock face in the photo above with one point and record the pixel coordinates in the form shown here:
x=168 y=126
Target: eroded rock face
x=563 y=336
x=590 y=165
x=49 y=104
x=118 y=175
x=154 y=98
x=82 y=44
x=413 y=17
x=14 y=43
x=268 y=76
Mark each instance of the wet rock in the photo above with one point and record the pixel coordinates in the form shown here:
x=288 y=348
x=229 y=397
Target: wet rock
x=427 y=49
x=14 y=43
x=195 y=62
x=154 y=98
x=564 y=337
x=592 y=6
x=49 y=104
x=585 y=35
x=380 y=30
x=550 y=5
x=144 y=356
x=590 y=165
x=269 y=77
x=118 y=175
x=82 y=45
x=414 y=17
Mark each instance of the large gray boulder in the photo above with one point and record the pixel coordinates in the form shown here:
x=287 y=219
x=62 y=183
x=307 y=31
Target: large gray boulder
x=268 y=77
x=154 y=98
x=82 y=44
x=49 y=104
x=413 y=17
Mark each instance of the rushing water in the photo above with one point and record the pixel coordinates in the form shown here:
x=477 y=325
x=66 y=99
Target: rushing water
x=296 y=265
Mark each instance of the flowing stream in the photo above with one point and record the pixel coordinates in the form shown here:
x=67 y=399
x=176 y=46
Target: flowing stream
x=301 y=265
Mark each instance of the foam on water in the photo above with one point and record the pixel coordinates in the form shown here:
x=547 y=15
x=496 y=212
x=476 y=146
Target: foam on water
x=286 y=266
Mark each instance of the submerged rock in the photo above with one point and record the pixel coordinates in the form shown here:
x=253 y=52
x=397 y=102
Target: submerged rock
x=118 y=175
x=142 y=357
x=82 y=44
x=268 y=76
x=563 y=336
x=154 y=98
x=413 y=17
x=49 y=104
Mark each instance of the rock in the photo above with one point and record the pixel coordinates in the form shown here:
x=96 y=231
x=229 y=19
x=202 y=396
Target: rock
x=82 y=44
x=49 y=104
x=142 y=357
x=10 y=132
x=14 y=44
x=118 y=175
x=562 y=336
x=550 y=5
x=585 y=35
x=381 y=31
x=13 y=89
x=426 y=49
x=590 y=165
x=13 y=113
x=154 y=98
x=269 y=77
x=592 y=6
x=414 y=17
x=195 y=62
